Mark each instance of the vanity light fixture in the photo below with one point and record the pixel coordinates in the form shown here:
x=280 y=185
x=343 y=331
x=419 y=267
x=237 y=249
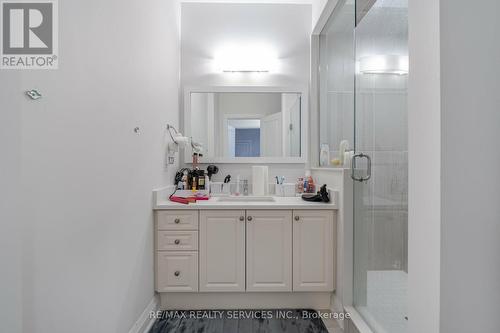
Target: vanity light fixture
x=384 y=64
x=245 y=59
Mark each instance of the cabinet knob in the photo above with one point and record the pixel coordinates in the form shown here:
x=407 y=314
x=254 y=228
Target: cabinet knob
x=249 y=218
x=177 y=221
x=177 y=241
x=242 y=218
x=297 y=218
x=177 y=273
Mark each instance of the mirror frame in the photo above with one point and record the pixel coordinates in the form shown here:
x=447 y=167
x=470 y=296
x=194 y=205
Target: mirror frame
x=304 y=119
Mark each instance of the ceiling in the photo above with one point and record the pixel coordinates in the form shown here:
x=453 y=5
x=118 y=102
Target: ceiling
x=253 y=1
x=391 y=3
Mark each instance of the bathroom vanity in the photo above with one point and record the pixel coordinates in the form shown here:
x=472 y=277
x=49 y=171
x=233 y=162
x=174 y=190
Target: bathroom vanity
x=238 y=252
x=245 y=252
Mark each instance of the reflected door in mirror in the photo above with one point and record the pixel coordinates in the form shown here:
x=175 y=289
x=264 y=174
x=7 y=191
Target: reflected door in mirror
x=246 y=124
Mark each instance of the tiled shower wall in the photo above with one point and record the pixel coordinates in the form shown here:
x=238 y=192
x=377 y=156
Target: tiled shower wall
x=381 y=126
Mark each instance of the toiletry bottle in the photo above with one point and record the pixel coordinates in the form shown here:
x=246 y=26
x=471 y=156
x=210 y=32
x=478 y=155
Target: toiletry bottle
x=343 y=147
x=300 y=185
x=307 y=179
x=207 y=183
x=237 y=192
x=194 y=181
x=201 y=179
x=348 y=158
x=311 y=187
x=324 y=155
x=185 y=180
x=195 y=160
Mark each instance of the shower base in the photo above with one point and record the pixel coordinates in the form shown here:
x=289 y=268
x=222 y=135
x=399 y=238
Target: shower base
x=386 y=302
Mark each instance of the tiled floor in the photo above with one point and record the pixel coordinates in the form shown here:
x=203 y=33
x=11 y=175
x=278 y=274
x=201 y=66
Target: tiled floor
x=249 y=321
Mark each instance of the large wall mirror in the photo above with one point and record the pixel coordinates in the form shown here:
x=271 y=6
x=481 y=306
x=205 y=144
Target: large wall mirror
x=247 y=124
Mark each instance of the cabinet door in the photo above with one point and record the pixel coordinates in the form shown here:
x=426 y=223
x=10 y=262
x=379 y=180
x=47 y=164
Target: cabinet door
x=176 y=271
x=314 y=233
x=222 y=250
x=269 y=250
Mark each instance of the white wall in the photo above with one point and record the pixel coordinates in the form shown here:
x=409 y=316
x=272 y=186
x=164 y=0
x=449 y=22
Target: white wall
x=86 y=176
x=10 y=224
x=340 y=180
x=470 y=192
x=424 y=137
x=317 y=9
x=454 y=216
x=207 y=27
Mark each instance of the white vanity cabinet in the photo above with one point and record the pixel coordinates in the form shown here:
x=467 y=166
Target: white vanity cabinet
x=269 y=250
x=314 y=233
x=230 y=251
x=176 y=251
x=222 y=250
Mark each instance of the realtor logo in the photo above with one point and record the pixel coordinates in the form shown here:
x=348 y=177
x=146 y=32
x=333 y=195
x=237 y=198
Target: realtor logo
x=29 y=34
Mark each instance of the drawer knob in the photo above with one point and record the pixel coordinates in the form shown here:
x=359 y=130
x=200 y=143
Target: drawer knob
x=177 y=241
x=177 y=221
x=297 y=218
x=177 y=273
x=242 y=218
x=249 y=218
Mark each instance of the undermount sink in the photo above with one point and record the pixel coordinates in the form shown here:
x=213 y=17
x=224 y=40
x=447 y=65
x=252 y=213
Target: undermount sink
x=246 y=199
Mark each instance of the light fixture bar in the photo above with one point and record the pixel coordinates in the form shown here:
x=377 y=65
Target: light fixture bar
x=384 y=64
x=246 y=58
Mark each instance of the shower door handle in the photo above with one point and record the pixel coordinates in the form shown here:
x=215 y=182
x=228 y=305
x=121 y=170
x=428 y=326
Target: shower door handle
x=368 y=167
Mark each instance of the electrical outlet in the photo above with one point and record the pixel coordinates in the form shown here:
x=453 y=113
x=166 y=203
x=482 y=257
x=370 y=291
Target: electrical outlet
x=171 y=160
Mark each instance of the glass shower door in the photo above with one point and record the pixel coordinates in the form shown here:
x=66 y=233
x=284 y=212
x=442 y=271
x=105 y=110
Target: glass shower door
x=380 y=167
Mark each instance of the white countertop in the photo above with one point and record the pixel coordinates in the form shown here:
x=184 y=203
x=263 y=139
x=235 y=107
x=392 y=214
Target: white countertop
x=161 y=202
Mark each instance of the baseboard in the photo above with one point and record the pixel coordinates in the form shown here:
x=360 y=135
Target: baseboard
x=356 y=323
x=146 y=321
x=337 y=307
x=249 y=300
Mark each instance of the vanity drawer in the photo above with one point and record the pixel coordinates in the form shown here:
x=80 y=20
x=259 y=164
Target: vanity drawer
x=177 y=240
x=177 y=220
x=176 y=271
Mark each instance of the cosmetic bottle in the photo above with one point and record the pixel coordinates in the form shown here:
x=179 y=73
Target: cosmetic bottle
x=201 y=179
x=307 y=180
x=324 y=155
x=311 y=187
x=300 y=186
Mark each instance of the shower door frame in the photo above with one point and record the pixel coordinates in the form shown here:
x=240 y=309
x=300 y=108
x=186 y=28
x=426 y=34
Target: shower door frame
x=345 y=256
